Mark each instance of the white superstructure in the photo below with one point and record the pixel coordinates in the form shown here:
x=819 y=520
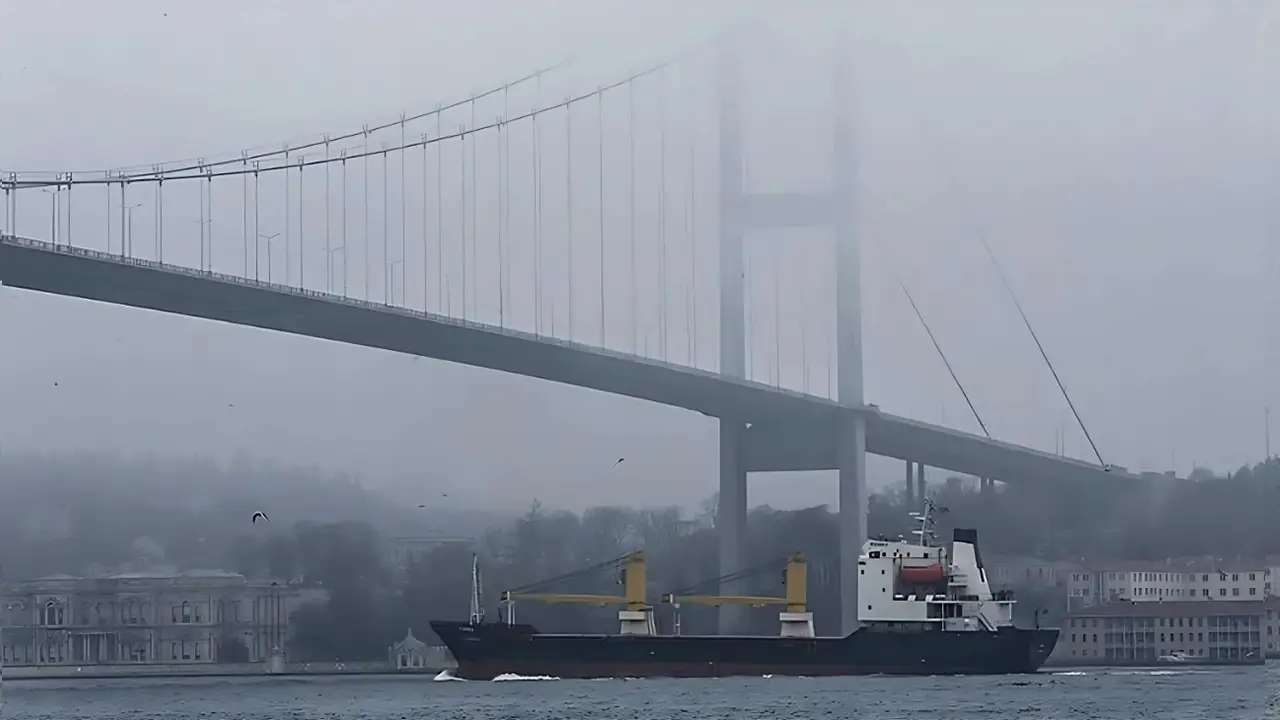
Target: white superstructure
x=923 y=585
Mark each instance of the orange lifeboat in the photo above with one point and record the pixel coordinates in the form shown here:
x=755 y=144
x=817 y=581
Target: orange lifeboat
x=927 y=575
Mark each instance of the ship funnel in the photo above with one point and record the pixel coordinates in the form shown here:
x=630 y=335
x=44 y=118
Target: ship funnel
x=969 y=536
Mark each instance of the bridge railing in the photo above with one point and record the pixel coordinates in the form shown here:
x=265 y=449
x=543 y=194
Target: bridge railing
x=118 y=259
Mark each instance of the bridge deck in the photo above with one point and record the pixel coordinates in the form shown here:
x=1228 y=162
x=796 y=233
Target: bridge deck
x=790 y=430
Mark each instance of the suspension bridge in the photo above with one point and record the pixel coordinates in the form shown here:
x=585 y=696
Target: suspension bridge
x=594 y=239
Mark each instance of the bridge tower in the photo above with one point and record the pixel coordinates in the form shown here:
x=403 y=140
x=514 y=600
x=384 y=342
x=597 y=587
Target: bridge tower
x=741 y=211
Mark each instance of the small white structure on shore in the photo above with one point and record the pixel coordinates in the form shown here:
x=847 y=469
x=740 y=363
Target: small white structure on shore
x=409 y=654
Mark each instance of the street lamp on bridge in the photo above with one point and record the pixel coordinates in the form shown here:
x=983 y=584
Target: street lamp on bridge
x=54 y=197
x=202 y=223
x=267 y=239
x=329 y=286
x=391 y=281
x=126 y=242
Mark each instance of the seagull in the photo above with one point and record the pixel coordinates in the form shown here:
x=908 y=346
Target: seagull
x=619 y=462
x=260 y=514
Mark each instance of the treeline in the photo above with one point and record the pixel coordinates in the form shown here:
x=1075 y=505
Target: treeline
x=84 y=514
x=1225 y=517
x=371 y=604
x=80 y=514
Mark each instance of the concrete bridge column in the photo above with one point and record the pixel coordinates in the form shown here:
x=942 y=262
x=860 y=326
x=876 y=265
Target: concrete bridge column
x=853 y=512
x=852 y=431
x=731 y=513
x=911 y=486
x=921 y=489
x=731 y=521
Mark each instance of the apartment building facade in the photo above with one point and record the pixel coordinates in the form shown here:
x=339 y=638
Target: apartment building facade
x=1271 y=628
x=1169 y=582
x=154 y=617
x=1122 y=633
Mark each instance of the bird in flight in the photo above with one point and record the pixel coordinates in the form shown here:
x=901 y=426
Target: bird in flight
x=260 y=514
x=619 y=462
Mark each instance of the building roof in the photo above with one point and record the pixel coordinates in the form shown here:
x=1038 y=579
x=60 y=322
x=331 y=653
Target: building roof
x=1180 y=565
x=1184 y=608
x=155 y=574
x=410 y=644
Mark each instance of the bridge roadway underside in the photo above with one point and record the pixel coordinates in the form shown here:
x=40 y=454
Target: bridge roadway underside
x=788 y=430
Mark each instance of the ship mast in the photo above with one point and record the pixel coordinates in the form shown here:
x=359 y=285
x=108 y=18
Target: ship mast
x=926 y=520
x=477 y=604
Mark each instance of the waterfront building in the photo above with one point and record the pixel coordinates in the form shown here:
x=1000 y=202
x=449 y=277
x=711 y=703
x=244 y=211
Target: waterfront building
x=151 y=617
x=1121 y=633
x=1176 y=581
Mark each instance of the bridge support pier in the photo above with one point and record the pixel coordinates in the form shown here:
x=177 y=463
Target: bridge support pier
x=739 y=211
x=910 y=497
x=852 y=519
x=852 y=437
x=731 y=510
x=731 y=520
x=921 y=489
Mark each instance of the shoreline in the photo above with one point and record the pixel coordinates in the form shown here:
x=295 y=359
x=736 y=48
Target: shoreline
x=23 y=673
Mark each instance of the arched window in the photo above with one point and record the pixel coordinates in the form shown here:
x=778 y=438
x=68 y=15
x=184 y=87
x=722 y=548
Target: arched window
x=53 y=613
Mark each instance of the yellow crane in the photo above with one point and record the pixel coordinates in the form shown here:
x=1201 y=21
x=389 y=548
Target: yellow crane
x=636 y=617
x=796 y=620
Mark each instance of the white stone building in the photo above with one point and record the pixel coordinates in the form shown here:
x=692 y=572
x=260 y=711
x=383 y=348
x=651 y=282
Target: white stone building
x=151 y=617
x=1169 y=582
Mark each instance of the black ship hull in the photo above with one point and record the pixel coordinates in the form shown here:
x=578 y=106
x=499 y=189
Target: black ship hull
x=486 y=651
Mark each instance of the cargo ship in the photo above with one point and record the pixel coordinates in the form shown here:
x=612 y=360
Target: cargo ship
x=923 y=609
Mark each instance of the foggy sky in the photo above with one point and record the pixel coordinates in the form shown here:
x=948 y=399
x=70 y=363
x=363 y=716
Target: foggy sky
x=1122 y=161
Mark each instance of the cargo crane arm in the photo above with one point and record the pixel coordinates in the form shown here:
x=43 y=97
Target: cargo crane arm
x=564 y=598
x=720 y=600
x=795 y=598
x=633 y=580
